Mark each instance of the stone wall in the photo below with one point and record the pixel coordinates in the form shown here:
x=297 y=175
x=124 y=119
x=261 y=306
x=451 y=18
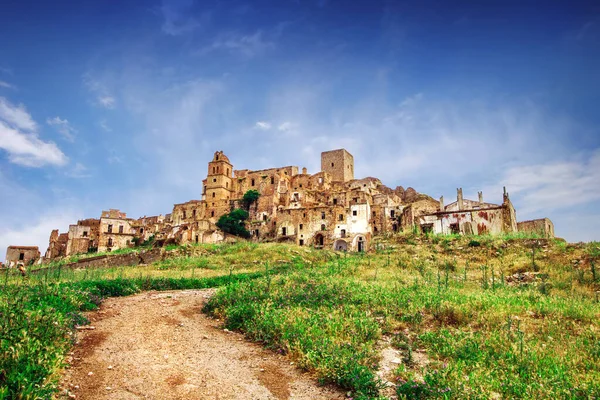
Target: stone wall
x=543 y=227
x=21 y=255
x=339 y=164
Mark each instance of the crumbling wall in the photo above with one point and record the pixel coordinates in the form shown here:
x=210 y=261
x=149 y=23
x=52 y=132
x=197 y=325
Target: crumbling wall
x=21 y=255
x=543 y=227
x=339 y=164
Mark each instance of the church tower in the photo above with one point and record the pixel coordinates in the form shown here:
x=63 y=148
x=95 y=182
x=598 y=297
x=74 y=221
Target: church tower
x=218 y=185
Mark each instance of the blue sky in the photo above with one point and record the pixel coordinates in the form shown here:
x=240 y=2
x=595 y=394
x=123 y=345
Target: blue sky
x=122 y=104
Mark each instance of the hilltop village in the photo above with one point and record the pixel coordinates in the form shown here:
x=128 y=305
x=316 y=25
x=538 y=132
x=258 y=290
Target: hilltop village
x=328 y=209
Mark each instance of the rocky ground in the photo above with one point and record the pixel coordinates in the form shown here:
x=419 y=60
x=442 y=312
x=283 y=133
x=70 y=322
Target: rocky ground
x=158 y=345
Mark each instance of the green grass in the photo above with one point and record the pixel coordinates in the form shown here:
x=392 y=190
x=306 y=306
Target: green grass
x=38 y=323
x=442 y=302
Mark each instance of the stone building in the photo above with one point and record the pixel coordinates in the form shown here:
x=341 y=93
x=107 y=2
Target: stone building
x=57 y=246
x=470 y=217
x=115 y=232
x=327 y=209
x=542 y=227
x=83 y=236
x=21 y=255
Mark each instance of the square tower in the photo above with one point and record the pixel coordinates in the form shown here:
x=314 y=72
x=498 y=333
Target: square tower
x=339 y=164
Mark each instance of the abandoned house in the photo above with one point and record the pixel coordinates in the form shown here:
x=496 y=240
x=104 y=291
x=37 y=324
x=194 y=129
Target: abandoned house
x=21 y=255
x=328 y=209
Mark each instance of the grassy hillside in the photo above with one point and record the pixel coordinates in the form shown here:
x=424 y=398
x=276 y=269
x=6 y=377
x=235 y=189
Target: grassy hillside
x=476 y=317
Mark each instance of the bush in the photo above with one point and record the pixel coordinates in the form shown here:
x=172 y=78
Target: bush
x=234 y=223
x=250 y=197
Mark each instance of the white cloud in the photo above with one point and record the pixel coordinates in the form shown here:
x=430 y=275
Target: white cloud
x=63 y=127
x=555 y=185
x=78 y=171
x=18 y=137
x=103 y=96
x=285 y=126
x=16 y=116
x=6 y=85
x=36 y=233
x=177 y=20
x=107 y=101
x=262 y=125
x=245 y=45
x=104 y=125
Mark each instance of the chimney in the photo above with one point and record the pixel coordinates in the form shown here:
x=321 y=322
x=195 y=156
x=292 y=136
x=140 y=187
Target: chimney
x=505 y=195
x=442 y=203
x=459 y=198
x=304 y=171
x=480 y=198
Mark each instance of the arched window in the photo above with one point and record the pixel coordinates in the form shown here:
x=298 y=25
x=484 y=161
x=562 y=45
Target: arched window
x=110 y=242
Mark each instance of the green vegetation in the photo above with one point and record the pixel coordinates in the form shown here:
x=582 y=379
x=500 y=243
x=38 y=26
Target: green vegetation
x=470 y=317
x=234 y=223
x=250 y=197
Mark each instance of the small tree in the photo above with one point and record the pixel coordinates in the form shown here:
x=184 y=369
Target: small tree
x=250 y=197
x=234 y=223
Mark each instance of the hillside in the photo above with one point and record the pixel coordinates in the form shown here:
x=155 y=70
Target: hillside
x=417 y=317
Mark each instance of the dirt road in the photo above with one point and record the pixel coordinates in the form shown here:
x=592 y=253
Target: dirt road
x=158 y=345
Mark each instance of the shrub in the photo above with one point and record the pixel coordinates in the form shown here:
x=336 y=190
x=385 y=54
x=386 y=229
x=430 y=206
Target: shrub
x=234 y=223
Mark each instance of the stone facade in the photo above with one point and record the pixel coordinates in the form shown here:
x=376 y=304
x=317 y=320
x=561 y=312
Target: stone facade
x=543 y=227
x=83 y=237
x=470 y=217
x=327 y=209
x=339 y=164
x=116 y=231
x=21 y=255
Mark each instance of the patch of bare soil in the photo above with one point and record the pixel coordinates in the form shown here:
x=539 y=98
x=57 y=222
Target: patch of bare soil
x=158 y=345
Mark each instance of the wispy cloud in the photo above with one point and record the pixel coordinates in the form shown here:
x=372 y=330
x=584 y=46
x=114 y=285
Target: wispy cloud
x=104 y=125
x=245 y=45
x=177 y=19
x=36 y=233
x=107 y=101
x=262 y=125
x=18 y=137
x=103 y=97
x=63 y=127
x=555 y=185
x=16 y=116
x=78 y=171
x=6 y=85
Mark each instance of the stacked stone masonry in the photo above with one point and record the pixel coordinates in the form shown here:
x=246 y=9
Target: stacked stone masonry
x=328 y=209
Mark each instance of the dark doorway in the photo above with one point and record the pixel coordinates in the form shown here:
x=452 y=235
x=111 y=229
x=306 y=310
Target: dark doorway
x=427 y=228
x=361 y=245
x=454 y=229
x=319 y=240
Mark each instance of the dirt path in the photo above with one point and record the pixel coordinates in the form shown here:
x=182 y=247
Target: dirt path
x=158 y=345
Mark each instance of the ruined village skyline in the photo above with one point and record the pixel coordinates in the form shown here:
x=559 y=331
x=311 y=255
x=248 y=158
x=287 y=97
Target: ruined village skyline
x=327 y=209
x=97 y=114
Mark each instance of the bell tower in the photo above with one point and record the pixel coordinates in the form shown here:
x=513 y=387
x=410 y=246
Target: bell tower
x=218 y=185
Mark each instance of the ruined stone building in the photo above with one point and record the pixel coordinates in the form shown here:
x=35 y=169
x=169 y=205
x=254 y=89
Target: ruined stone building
x=21 y=255
x=327 y=209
